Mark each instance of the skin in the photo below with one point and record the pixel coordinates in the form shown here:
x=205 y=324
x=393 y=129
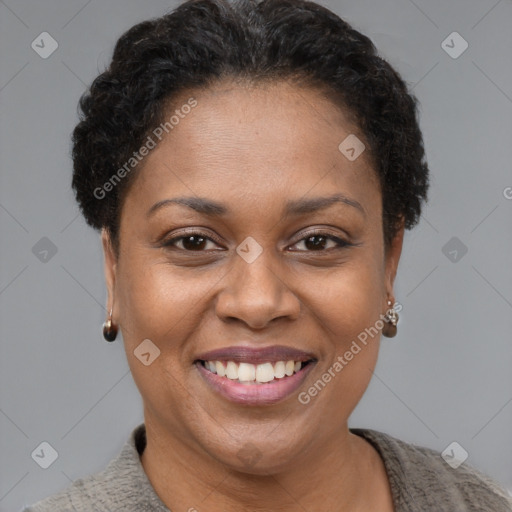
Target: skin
x=253 y=148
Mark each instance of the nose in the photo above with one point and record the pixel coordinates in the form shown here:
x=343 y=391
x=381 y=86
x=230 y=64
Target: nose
x=256 y=294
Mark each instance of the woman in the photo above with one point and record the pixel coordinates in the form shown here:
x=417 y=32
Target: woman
x=252 y=168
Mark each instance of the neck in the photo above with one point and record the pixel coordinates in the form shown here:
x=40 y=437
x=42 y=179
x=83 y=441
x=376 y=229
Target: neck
x=338 y=473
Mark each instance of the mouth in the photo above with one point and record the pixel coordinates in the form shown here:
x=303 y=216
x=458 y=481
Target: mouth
x=260 y=376
x=252 y=374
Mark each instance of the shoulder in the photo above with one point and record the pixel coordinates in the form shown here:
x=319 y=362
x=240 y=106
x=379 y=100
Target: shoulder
x=73 y=498
x=122 y=485
x=421 y=478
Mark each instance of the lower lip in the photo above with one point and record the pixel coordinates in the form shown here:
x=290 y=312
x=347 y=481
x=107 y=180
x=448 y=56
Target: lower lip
x=255 y=394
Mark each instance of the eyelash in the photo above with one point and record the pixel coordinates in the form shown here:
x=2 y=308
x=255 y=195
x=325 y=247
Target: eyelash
x=341 y=243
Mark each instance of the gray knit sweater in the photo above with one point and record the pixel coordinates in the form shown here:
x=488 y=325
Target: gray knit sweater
x=420 y=481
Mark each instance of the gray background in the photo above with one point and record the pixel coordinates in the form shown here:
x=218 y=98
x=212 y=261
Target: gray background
x=446 y=376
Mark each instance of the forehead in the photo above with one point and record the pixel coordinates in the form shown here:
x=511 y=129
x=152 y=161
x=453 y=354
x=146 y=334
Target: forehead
x=254 y=142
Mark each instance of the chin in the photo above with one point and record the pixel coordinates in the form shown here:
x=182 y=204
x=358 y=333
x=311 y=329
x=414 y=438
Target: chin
x=261 y=456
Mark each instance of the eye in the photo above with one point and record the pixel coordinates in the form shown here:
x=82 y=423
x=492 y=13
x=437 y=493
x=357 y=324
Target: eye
x=193 y=241
x=320 y=241
x=314 y=242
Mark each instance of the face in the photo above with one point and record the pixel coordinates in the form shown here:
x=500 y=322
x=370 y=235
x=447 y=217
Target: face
x=275 y=270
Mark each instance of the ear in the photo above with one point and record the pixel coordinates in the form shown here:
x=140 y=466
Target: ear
x=110 y=265
x=392 y=257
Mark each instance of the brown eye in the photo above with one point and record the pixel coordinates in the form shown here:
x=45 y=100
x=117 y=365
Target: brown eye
x=197 y=242
x=194 y=243
x=322 y=242
x=316 y=242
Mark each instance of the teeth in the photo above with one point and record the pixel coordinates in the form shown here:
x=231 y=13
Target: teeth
x=221 y=372
x=246 y=372
x=279 y=370
x=265 y=372
x=231 y=371
x=250 y=373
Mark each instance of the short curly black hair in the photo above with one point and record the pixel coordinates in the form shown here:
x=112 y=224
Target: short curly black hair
x=204 y=41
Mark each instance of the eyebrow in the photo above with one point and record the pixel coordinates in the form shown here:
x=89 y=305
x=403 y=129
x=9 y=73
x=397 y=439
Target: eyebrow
x=293 y=208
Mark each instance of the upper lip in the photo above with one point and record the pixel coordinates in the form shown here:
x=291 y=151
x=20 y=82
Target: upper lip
x=245 y=354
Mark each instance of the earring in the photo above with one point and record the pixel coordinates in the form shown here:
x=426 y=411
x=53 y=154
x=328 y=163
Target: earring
x=109 y=329
x=390 y=320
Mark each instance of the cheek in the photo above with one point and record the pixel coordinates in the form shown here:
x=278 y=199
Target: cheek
x=347 y=309
x=156 y=300
x=168 y=306
x=155 y=304
x=349 y=299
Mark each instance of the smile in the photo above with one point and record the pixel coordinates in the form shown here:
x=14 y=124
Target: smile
x=248 y=374
x=250 y=384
